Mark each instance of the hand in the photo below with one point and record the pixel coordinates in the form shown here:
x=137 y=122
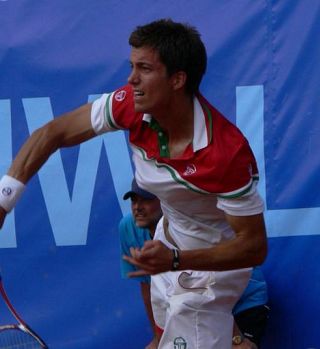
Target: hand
x=3 y=214
x=246 y=344
x=153 y=258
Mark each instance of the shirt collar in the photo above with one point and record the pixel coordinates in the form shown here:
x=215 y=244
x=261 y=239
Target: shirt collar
x=200 y=134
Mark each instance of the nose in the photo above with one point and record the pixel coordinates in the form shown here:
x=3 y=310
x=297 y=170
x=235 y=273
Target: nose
x=133 y=77
x=137 y=206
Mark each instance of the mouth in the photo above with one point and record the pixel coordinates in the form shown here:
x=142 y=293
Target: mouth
x=139 y=216
x=140 y=221
x=138 y=93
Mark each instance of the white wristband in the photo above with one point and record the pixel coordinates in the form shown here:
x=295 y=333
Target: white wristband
x=10 y=192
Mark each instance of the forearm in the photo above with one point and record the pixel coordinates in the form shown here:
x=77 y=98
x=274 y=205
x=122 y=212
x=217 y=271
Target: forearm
x=70 y=129
x=247 y=249
x=233 y=254
x=29 y=159
x=67 y=130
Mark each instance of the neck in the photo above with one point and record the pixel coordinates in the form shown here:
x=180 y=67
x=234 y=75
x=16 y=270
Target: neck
x=177 y=115
x=152 y=230
x=178 y=123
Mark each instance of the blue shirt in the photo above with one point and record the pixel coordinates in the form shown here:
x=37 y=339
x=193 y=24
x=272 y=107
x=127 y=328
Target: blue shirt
x=255 y=294
x=132 y=236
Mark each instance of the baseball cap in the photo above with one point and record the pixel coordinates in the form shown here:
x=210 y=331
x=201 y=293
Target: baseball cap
x=136 y=190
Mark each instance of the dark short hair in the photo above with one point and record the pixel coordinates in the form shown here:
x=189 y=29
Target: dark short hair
x=179 y=46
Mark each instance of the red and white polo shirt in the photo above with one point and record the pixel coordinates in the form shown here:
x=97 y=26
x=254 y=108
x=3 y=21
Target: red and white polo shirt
x=217 y=173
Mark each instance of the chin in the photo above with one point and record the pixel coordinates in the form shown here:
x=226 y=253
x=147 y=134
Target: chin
x=141 y=224
x=140 y=108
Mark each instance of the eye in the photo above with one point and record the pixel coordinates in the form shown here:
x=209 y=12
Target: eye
x=146 y=68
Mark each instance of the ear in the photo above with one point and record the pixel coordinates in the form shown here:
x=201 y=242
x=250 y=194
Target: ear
x=179 y=80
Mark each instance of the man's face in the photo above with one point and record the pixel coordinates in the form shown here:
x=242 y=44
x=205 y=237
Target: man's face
x=150 y=82
x=146 y=212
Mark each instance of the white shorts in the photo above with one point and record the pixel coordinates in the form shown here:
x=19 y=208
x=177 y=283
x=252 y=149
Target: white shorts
x=194 y=308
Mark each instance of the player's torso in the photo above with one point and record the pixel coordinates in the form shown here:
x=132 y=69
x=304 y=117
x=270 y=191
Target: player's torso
x=219 y=161
x=194 y=219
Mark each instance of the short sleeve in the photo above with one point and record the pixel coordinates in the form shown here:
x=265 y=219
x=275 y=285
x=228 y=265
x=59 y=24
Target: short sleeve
x=97 y=114
x=248 y=204
x=113 y=111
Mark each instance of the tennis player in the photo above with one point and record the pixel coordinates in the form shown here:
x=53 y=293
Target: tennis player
x=195 y=161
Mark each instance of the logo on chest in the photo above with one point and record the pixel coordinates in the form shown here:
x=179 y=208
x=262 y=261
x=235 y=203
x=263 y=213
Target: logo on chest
x=190 y=170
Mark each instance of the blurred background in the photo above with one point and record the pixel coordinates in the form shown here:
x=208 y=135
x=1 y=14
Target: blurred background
x=59 y=249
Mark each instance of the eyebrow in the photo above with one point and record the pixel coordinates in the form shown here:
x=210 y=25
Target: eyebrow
x=142 y=62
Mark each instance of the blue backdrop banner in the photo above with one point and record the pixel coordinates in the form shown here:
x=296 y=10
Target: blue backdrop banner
x=59 y=248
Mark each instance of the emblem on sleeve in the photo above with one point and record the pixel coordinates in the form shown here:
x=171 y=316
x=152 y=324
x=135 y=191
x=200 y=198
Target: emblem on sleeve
x=120 y=95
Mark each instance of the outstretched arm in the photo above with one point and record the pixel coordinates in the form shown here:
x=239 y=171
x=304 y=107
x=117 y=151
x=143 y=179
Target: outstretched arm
x=66 y=130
